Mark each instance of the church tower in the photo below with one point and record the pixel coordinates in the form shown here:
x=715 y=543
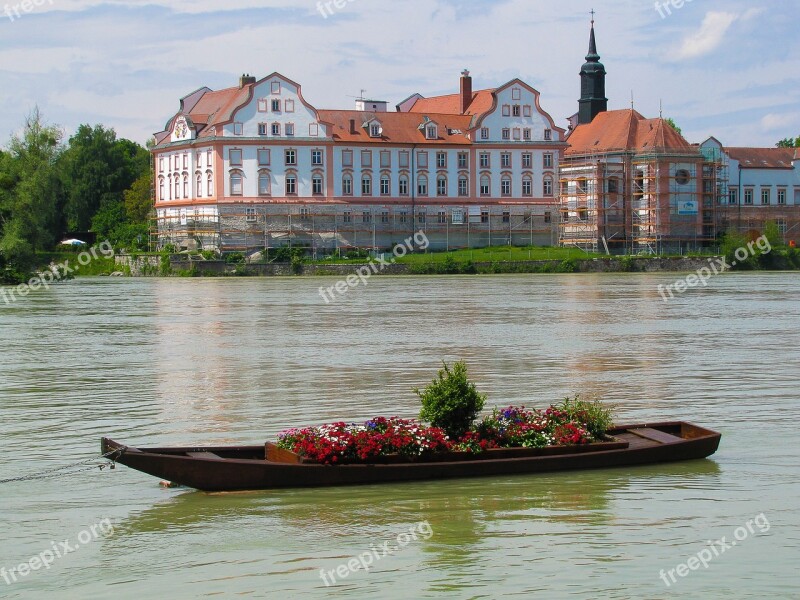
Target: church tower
x=593 y=84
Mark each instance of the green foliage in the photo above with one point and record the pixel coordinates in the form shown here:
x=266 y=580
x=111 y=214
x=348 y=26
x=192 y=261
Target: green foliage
x=789 y=143
x=671 y=123
x=595 y=416
x=627 y=264
x=138 y=199
x=298 y=264
x=568 y=265
x=451 y=401
x=234 y=258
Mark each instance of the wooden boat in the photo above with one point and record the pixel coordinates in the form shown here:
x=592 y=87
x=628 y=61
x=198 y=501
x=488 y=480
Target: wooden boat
x=234 y=468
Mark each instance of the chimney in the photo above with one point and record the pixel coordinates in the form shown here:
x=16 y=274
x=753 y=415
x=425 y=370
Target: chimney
x=246 y=79
x=466 y=91
x=352 y=126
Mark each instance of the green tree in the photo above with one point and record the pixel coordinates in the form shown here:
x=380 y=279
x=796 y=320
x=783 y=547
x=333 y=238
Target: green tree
x=138 y=199
x=671 y=123
x=789 y=143
x=451 y=401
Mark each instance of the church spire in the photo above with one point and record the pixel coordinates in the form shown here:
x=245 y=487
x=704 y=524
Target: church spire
x=593 y=84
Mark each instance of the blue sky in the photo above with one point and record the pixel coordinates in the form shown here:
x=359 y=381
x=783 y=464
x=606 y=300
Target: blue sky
x=724 y=68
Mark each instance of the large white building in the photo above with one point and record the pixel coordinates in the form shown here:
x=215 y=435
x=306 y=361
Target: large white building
x=257 y=166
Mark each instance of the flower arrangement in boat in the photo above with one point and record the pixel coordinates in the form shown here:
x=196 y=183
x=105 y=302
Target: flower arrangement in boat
x=451 y=403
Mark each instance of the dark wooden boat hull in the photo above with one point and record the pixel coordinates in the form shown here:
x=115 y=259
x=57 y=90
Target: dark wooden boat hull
x=246 y=468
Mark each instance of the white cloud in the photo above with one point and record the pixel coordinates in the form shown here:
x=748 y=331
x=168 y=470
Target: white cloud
x=708 y=37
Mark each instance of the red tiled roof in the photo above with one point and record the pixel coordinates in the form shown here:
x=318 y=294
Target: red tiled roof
x=763 y=158
x=398 y=128
x=451 y=104
x=625 y=130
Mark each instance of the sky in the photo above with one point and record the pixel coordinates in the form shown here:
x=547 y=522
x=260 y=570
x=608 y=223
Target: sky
x=726 y=68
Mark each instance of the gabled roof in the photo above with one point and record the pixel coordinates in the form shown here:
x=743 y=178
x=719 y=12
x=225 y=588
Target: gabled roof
x=763 y=158
x=398 y=128
x=626 y=130
x=451 y=104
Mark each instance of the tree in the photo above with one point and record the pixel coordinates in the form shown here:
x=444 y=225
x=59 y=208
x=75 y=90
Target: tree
x=138 y=199
x=671 y=123
x=789 y=143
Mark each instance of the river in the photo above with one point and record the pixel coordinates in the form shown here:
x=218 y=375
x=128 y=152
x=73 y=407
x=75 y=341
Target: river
x=216 y=361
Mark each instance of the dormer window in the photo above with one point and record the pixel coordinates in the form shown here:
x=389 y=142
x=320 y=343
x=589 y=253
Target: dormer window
x=375 y=130
x=548 y=134
x=431 y=132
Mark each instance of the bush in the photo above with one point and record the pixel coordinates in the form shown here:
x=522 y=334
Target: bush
x=594 y=416
x=451 y=402
x=234 y=258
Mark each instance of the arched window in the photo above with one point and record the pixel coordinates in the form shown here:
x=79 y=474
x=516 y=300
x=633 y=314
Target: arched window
x=548 y=186
x=210 y=185
x=422 y=186
x=441 y=185
x=236 y=183
x=199 y=185
x=527 y=185
x=185 y=185
x=169 y=186
x=161 y=188
x=316 y=185
x=386 y=185
x=403 y=185
x=347 y=185
x=463 y=185
x=177 y=187
x=505 y=186
x=366 y=185
x=264 y=184
x=486 y=185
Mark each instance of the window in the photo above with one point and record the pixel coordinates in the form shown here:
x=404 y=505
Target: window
x=486 y=185
x=198 y=186
x=250 y=215
x=766 y=196
x=441 y=186
x=305 y=214
x=288 y=106
x=517 y=134
x=527 y=160
x=386 y=159
x=403 y=217
x=276 y=105
x=313 y=130
x=238 y=129
x=161 y=188
x=484 y=133
x=505 y=160
x=526 y=134
x=733 y=196
x=463 y=157
x=442 y=217
x=441 y=160
x=548 y=134
x=548 y=187
x=421 y=218
x=208 y=158
x=347 y=158
x=316 y=157
x=386 y=185
x=347 y=216
x=276 y=87
x=235 y=157
x=548 y=217
x=613 y=186
x=485 y=160
x=263 y=129
x=506 y=110
x=366 y=185
x=748 y=196
x=526 y=110
x=263 y=157
x=366 y=217
x=316 y=185
x=516 y=110
x=781 y=196
x=463 y=186
x=403 y=160
x=291 y=185
x=236 y=183
x=366 y=159
x=431 y=132
x=375 y=130
x=185 y=186
x=262 y=105
x=547 y=160
x=276 y=129
x=185 y=161
x=505 y=186
x=210 y=185
x=385 y=216
x=682 y=176
x=422 y=160
x=347 y=185
x=516 y=93
x=506 y=217
x=264 y=184
x=484 y=216
x=527 y=186
x=422 y=186
x=582 y=185
x=404 y=186
x=161 y=165
x=290 y=158
x=290 y=129
x=176 y=188
x=564 y=187
x=506 y=133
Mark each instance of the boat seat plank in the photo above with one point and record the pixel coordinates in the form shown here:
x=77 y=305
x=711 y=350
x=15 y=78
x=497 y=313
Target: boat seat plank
x=656 y=435
x=203 y=455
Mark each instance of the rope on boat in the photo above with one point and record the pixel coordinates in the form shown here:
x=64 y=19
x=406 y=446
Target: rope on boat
x=78 y=467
